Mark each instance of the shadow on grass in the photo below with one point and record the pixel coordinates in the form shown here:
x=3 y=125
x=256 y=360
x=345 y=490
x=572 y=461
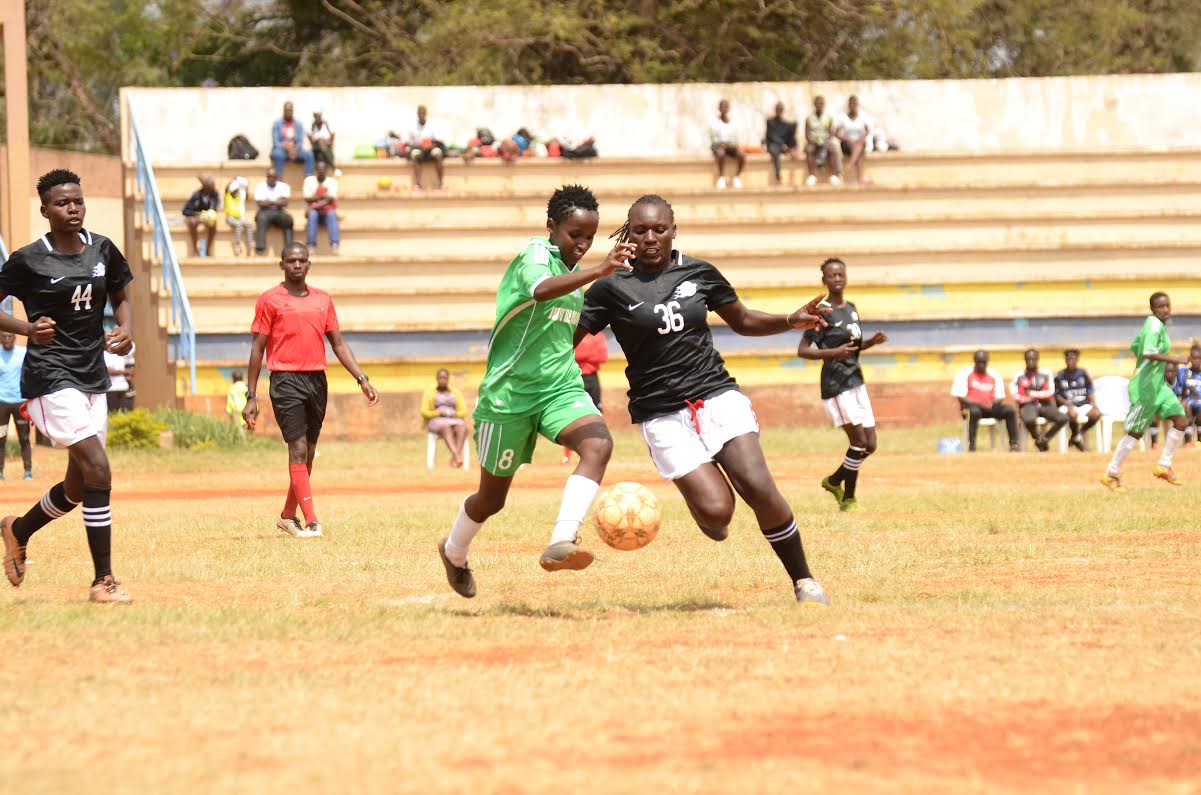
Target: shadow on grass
x=573 y=612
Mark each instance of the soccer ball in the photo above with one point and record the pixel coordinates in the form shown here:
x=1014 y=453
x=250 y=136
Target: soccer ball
x=627 y=516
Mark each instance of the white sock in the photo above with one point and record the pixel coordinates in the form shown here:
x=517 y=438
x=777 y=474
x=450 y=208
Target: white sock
x=461 y=536
x=1127 y=444
x=1170 y=445
x=578 y=495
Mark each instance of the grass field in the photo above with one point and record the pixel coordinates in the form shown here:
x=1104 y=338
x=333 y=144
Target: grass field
x=1000 y=623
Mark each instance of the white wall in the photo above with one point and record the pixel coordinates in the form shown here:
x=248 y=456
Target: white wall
x=193 y=125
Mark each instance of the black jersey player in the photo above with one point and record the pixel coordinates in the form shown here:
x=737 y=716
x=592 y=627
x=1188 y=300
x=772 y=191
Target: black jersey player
x=699 y=428
x=64 y=279
x=837 y=346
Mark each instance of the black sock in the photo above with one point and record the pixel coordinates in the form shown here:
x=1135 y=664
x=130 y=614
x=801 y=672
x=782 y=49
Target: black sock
x=53 y=504
x=854 y=458
x=785 y=541
x=98 y=521
x=839 y=475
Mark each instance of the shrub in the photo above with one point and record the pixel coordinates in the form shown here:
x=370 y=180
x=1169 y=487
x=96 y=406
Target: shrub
x=138 y=428
x=199 y=431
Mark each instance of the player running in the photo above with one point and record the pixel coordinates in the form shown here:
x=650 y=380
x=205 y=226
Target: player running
x=64 y=279
x=701 y=431
x=291 y=322
x=532 y=386
x=837 y=346
x=1150 y=396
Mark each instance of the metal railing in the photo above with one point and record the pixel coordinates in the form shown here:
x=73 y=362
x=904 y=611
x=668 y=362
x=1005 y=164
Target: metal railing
x=164 y=249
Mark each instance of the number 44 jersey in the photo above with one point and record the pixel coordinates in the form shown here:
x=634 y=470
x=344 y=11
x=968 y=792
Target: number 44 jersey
x=72 y=289
x=661 y=321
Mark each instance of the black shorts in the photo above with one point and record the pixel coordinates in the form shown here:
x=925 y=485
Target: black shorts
x=592 y=387
x=298 y=400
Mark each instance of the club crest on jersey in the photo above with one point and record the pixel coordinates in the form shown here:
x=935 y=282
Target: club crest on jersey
x=98 y=270
x=683 y=290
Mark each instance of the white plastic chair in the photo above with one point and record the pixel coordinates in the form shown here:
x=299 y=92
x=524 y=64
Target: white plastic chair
x=1112 y=398
x=985 y=422
x=431 y=450
x=1061 y=435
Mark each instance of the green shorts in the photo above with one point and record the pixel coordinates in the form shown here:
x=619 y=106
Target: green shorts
x=505 y=442
x=1163 y=404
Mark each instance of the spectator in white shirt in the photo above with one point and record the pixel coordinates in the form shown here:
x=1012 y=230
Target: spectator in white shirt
x=120 y=370
x=425 y=146
x=321 y=195
x=321 y=137
x=723 y=140
x=271 y=196
x=852 y=130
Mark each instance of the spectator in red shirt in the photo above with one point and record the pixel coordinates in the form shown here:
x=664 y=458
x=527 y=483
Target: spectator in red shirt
x=291 y=323
x=981 y=395
x=1035 y=394
x=590 y=354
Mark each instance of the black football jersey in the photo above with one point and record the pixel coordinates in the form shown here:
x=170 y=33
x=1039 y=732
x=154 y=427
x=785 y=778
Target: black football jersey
x=72 y=289
x=838 y=376
x=1075 y=387
x=661 y=321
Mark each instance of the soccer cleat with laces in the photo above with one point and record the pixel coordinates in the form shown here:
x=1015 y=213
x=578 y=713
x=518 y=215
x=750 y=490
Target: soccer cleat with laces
x=14 y=553
x=810 y=592
x=565 y=555
x=1112 y=482
x=290 y=525
x=108 y=591
x=1167 y=474
x=460 y=577
x=833 y=488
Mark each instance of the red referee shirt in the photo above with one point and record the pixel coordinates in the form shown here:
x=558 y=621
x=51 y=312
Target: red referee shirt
x=295 y=327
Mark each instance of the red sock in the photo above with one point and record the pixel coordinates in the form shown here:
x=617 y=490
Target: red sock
x=302 y=491
x=289 y=511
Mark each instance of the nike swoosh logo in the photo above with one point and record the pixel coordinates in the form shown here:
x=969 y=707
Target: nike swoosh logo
x=635 y=306
x=56 y=281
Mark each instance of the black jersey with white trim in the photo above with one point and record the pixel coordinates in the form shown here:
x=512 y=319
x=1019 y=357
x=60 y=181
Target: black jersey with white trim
x=839 y=375
x=72 y=289
x=660 y=319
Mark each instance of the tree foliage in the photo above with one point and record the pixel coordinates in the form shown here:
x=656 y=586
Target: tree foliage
x=82 y=51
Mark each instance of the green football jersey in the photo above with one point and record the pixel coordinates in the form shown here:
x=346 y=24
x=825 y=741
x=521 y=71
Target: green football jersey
x=1147 y=381
x=531 y=354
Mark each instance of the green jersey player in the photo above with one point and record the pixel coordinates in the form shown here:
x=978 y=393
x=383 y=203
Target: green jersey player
x=1151 y=397
x=533 y=386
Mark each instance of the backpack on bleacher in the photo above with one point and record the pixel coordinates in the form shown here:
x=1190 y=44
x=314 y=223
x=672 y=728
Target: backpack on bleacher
x=240 y=148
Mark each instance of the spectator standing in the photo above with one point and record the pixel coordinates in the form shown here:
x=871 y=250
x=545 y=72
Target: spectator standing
x=120 y=371
x=321 y=195
x=779 y=138
x=12 y=358
x=1074 y=394
x=200 y=212
x=271 y=196
x=443 y=407
x=821 y=148
x=235 y=215
x=723 y=140
x=1035 y=395
x=424 y=147
x=853 y=130
x=287 y=143
x=321 y=138
x=981 y=395
x=235 y=401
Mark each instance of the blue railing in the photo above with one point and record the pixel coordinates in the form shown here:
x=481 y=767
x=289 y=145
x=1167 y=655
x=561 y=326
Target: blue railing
x=164 y=249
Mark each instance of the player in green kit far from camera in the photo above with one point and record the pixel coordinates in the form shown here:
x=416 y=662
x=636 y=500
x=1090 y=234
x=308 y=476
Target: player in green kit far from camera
x=1150 y=396
x=533 y=386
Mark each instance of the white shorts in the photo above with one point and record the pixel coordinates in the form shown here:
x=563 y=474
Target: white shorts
x=851 y=408
x=1081 y=411
x=677 y=447
x=69 y=416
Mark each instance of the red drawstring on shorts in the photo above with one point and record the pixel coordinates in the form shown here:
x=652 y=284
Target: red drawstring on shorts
x=694 y=407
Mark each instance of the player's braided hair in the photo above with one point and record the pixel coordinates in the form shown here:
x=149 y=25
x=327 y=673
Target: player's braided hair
x=52 y=179
x=831 y=261
x=567 y=200
x=623 y=232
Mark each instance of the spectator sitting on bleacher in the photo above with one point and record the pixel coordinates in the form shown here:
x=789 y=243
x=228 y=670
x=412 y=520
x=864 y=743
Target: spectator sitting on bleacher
x=779 y=138
x=200 y=210
x=981 y=394
x=235 y=214
x=321 y=195
x=723 y=141
x=1188 y=387
x=271 y=196
x=287 y=143
x=852 y=130
x=1035 y=396
x=1074 y=394
x=821 y=147
x=425 y=146
x=321 y=138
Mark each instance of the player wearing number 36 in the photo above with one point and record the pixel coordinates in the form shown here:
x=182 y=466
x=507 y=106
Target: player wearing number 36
x=701 y=431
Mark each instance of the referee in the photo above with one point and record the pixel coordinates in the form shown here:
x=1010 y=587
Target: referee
x=290 y=322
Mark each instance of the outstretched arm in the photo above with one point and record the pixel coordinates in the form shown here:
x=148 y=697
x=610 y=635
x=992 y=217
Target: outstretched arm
x=1163 y=357
x=557 y=286
x=346 y=357
x=753 y=323
x=879 y=338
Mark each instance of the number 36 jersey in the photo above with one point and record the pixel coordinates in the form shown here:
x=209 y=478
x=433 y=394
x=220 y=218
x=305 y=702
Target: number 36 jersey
x=660 y=319
x=72 y=289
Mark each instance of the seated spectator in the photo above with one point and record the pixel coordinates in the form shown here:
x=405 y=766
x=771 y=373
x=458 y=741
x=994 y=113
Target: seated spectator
x=981 y=395
x=852 y=131
x=723 y=141
x=515 y=146
x=271 y=196
x=321 y=195
x=443 y=408
x=1074 y=394
x=287 y=143
x=779 y=138
x=120 y=371
x=1188 y=387
x=321 y=138
x=1035 y=396
x=821 y=148
x=200 y=212
x=235 y=214
x=425 y=146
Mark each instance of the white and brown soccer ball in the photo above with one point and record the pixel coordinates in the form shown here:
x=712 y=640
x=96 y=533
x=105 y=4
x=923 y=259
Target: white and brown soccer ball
x=627 y=516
